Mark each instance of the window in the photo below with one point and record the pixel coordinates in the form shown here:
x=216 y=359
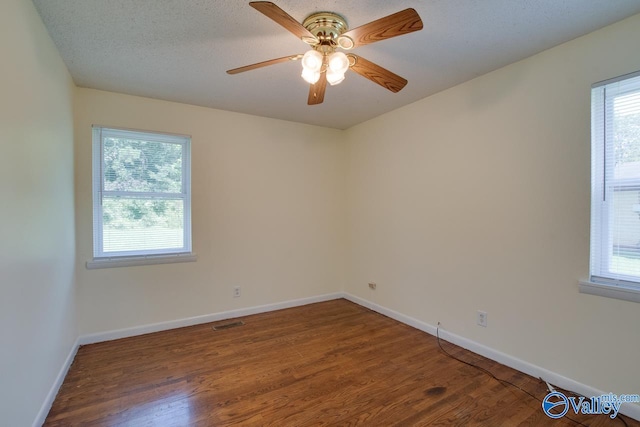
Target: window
x=141 y=198
x=615 y=186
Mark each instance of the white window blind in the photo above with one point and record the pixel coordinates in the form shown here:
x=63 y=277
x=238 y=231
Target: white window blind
x=615 y=182
x=141 y=194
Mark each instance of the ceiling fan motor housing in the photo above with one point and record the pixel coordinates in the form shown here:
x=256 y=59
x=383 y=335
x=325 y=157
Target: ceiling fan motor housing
x=328 y=28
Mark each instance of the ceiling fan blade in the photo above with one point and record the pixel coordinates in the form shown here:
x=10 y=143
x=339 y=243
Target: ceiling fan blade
x=264 y=64
x=316 y=91
x=397 y=24
x=272 y=11
x=377 y=74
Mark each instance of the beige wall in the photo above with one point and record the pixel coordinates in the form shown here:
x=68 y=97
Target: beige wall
x=477 y=198
x=268 y=215
x=37 y=253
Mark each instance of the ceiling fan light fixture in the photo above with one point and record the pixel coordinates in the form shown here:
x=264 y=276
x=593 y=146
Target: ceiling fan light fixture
x=334 y=77
x=310 y=76
x=312 y=60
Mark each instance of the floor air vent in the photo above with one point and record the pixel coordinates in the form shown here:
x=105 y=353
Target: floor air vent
x=230 y=325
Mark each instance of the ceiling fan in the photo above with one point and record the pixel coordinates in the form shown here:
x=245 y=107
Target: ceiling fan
x=325 y=33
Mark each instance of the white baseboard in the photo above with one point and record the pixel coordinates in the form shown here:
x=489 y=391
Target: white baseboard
x=207 y=318
x=53 y=391
x=629 y=409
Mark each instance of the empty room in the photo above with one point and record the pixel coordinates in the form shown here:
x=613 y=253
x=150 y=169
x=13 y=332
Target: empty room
x=292 y=213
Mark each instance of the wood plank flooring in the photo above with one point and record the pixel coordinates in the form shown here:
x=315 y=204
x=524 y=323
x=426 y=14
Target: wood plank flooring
x=331 y=363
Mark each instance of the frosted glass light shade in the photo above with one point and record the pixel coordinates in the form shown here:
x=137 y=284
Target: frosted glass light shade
x=312 y=60
x=338 y=62
x=310 y=76
x=333 y=77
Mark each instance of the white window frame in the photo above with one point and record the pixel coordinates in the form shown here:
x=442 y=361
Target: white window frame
x=103 y=259
x=602 y=280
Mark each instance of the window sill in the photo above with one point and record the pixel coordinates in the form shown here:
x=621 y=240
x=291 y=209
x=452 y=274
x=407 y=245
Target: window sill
x=622 y=292
x=140 y=260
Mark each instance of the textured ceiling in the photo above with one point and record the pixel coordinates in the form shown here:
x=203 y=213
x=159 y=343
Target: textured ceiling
x=179 y=50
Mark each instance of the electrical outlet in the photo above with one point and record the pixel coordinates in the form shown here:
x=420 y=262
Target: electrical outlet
x=482 y=318
x=372 y=285
x=236 y=291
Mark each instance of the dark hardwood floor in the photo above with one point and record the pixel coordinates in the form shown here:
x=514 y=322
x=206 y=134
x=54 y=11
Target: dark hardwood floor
x=331 y=363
